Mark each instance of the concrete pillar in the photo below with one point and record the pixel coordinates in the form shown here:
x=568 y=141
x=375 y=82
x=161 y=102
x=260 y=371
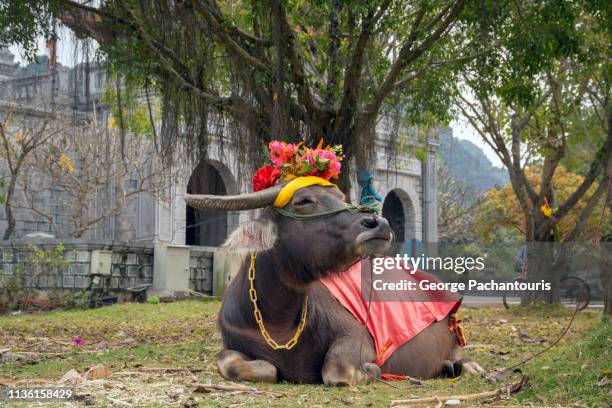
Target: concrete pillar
x=430 y=202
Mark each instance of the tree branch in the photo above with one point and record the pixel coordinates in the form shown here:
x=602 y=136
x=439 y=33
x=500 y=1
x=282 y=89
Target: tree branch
x=314 y=107
x=601 y=161
x=352 y=76
x=587 y=210
x=213 y=15
x=407 y=54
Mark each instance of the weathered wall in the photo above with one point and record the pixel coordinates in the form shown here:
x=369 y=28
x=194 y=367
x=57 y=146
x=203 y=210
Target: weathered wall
x=200 y=269
x=131 y=265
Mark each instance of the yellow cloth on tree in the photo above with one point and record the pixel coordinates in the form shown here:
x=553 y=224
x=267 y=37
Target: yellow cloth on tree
x=286 y=193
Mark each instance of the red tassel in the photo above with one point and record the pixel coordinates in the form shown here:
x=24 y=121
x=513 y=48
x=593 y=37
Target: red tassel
x=454 y=327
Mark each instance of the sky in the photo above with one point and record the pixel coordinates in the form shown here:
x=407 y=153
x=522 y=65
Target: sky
x=66 y=56
x=463 y=130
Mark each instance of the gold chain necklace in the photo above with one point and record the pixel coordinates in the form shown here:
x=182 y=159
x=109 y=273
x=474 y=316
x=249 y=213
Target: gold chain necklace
x=259 y=319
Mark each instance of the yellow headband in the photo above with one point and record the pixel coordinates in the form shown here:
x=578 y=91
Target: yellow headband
x=286 y=193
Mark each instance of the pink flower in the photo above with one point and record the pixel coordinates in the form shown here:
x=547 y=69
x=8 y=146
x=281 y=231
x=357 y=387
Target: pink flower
x=326 y=154
x=281 y=152
x=78 y=341
x=332 y=171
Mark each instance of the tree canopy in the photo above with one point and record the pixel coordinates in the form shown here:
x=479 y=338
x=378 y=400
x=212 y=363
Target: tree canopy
x=541 y=96
x=268 y=69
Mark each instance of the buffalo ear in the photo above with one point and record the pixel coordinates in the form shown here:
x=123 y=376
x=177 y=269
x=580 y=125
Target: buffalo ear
x=259 y=235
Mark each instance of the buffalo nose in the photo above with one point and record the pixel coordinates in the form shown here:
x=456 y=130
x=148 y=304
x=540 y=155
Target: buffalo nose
x=369 y=222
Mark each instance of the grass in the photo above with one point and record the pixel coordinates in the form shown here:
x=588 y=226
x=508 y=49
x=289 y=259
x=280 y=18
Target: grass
x=579 y=373
x=183 y=334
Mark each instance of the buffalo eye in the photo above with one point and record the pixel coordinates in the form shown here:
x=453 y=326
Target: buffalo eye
x=305 y=201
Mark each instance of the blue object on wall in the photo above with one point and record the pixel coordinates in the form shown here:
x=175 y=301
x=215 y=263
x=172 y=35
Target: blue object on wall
x=368 y=192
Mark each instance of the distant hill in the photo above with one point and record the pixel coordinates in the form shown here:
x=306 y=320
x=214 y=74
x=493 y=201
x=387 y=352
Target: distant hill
x=468 y=163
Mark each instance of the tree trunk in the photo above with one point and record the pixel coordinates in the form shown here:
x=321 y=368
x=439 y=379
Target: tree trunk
x=608 y=295
x=8 y=209
x=542 y=265
x=605 y=270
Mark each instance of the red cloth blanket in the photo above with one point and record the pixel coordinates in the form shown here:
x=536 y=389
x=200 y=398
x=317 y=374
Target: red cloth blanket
x=391 y=323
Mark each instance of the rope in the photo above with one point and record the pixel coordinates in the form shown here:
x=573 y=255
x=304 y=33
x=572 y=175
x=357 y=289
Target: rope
x=364 y=208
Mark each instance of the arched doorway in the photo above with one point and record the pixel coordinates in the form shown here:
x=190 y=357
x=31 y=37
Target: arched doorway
x=206 y=227
x=393 y=211
x=399 y=211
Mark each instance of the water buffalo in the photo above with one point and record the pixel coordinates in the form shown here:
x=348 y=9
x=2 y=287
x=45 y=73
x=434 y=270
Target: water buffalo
x=292 y=254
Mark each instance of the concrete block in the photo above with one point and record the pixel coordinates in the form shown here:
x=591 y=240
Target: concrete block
x=148 y=272
x=81 y=282
x=114 y=283
x=118 y=270
x=147 y=259
x=133 y=271
x=68 y=281
x=83 y=256
x=125 y=283
x=80 y=268
x=132 y=259
x=30 y=225
x=70 y=255
x=225 y=267
x=117 y=257
x=52 y=281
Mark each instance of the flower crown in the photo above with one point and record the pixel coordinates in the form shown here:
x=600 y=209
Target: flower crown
x=288 y=160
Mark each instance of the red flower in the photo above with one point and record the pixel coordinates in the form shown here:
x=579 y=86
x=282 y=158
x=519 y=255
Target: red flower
x=265 y=177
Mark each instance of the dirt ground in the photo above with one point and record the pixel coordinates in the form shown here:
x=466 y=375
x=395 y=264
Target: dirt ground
x=137 y=355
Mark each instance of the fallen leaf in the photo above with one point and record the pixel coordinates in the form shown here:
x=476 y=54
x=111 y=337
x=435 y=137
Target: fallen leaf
x=96 y=372
x=498 y=374
x=100 y=346
x=9 y=357
x=71 y=377
x=604 y=381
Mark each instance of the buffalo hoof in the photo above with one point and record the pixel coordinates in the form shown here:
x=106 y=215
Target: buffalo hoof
x=372 y=370
x=450 y=370
x=236 y=366
x=342 y=375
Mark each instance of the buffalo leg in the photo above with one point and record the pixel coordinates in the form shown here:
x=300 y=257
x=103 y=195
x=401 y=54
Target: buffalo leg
x=346 y=363
x=236 y=366
x=470 y=367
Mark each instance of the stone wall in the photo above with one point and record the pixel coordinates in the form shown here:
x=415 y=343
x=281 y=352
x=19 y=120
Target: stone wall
x=131 y=265
x=200 y=269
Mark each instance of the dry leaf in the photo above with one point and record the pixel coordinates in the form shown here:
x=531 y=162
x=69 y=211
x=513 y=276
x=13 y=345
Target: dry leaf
x=71 y=377
x=498 y=374
x=96 y=372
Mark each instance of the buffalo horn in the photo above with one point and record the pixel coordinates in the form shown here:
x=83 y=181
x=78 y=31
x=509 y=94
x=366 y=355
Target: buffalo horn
x=248 y=201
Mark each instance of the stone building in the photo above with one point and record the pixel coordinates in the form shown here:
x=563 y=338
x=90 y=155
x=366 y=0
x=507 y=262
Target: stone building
x=407 y=184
